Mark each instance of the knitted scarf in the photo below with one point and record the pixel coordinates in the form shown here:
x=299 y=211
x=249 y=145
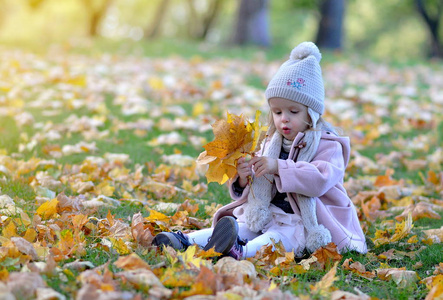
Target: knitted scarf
x=257 y=212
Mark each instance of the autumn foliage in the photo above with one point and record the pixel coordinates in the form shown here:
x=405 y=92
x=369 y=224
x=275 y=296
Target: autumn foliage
x=233 y=138
x=98 y=155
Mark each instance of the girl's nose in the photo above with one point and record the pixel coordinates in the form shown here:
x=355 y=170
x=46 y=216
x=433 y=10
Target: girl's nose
x=284 y=118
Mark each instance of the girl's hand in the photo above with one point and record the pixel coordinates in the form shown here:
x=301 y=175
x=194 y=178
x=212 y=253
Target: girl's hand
x=244 y=171
x=264 y=165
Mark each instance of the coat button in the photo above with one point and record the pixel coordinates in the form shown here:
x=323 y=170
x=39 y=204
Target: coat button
x=327 y=132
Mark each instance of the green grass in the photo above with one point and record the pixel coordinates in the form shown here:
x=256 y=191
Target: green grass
x=126 y=141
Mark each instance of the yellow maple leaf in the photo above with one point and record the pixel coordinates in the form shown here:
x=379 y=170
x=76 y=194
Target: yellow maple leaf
x=233 y=138
x=104 y=188
x=48 y=209
x=30 y=235
x=10 y=230
x=402 y=229
x=157 y=216
x=189 y=258
x=120 y=246
x=382 y=237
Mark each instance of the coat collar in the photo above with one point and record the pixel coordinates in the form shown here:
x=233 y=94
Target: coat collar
x=326 y=135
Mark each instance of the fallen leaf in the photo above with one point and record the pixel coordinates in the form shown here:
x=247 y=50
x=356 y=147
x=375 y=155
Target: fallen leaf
x=140 y=231
x=326 y=256
x=324 y=286
x=48 y=209
x=419 y=211
x=357 y=268
x=232 y=267
x=402 y=278
x=142 y=279
x=25 y=247
x=25 y=285
x=131 y=262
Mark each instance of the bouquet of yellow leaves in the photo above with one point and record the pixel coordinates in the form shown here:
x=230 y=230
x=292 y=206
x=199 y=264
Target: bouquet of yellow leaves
x=233 y=138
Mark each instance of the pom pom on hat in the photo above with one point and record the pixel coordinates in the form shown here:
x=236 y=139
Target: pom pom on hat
x=299 y=78
x=305 y=49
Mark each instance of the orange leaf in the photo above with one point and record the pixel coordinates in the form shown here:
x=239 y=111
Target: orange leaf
x=326 y=256
x=206 y=283
x=78 y=221
x=386 y=179
x=433 y=178
x=357 y=268
x=131 y=262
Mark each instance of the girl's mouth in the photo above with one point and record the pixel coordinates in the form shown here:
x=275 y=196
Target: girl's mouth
x=286 y=130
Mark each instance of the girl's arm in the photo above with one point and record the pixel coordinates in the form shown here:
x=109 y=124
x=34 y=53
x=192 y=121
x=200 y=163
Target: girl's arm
x=315 y=178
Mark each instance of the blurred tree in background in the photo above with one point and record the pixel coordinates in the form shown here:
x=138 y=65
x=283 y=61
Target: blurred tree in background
x=330 y=28
x=252 y=25
x=431 y=11
x=369 y=27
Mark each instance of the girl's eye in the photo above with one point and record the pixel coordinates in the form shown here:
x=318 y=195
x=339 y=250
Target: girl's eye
x=294 y=112
x=277 y=112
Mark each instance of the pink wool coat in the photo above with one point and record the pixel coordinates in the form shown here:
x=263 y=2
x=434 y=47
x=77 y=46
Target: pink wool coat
x=322 y=178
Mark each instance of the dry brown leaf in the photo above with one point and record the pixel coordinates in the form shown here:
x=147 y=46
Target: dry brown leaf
x=25 y=285
x=79 y=266
x=435 y=234
x=87 y=292
x=131 y=262
x=49 y=294
x=142 y=279
x=438 y=269
x=418 y=211
x=69 y=204
x=25 y=247
x=403 y=278
x=141 y=231
x=357 y=268
x=326 y=256
x=230 y=266
x=342 y=295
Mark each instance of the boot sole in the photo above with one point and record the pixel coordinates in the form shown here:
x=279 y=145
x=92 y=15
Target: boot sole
x=224 y=235
x=162 y=240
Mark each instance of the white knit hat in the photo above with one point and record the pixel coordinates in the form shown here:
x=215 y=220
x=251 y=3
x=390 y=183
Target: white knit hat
x=300 y=79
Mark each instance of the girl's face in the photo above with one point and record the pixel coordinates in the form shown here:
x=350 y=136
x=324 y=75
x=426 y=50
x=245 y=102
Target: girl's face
x=289 y=117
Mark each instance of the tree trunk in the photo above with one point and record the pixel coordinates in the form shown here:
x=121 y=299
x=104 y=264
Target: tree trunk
x=330 y=29
x=252 y=23
x=199 y=26
x=193 y=26
x=433 y=24
x=96 y=16
x=210 y=17
x=154 y=28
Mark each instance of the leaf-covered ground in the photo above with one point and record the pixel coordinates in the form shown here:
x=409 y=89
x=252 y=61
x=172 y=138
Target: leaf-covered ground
x=97 y=155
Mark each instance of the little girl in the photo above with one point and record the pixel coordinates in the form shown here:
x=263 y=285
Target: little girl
x=293 y=191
